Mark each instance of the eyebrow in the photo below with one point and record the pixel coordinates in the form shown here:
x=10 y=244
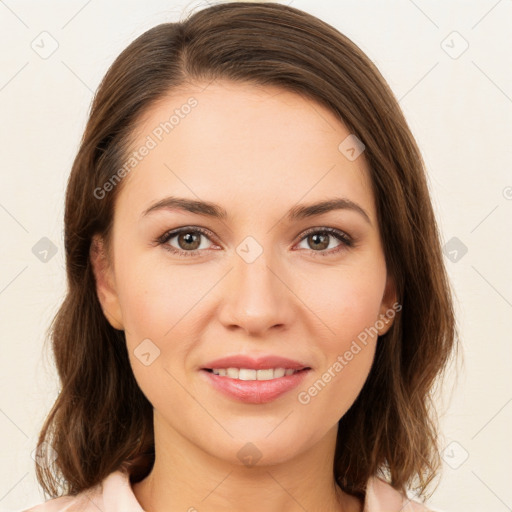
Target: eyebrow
x=298 y=212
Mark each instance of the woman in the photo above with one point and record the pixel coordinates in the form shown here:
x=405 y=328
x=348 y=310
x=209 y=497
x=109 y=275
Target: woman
x=257 y=308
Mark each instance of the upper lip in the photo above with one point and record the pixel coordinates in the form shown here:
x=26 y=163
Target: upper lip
x=255 y=363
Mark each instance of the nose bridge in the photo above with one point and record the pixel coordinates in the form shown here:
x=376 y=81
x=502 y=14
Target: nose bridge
x=256 y=298
x=253 y=268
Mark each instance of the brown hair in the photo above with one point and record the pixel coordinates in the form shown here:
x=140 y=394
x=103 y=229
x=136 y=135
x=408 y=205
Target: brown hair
x=101 y=421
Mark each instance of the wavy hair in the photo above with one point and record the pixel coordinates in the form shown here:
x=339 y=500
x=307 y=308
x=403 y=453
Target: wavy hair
x=101 y=421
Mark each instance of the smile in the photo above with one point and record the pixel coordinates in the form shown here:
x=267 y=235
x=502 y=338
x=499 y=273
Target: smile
x=250 y=374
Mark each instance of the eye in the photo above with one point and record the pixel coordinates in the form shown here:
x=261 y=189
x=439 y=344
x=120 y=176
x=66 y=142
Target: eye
x=188 y=240
x=319 y=238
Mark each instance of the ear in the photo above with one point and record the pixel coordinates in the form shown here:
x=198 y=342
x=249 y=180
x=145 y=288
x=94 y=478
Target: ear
x=389 y=306
x=105 y=283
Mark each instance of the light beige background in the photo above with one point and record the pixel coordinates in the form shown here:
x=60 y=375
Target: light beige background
x=458 y=102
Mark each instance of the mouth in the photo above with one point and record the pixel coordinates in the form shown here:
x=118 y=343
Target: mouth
x=254 y=379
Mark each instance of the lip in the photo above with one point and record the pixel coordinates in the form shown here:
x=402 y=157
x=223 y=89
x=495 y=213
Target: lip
x=254 y=391
x=255 y=363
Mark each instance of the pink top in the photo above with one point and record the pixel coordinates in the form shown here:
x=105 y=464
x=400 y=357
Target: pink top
x=115 y=494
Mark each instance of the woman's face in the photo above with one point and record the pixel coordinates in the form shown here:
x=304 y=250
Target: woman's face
x=263 y=280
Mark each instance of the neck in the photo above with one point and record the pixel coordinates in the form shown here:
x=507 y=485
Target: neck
x=186 y=478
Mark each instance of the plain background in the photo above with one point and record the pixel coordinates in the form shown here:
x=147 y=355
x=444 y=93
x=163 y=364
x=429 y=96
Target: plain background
x=450 y=66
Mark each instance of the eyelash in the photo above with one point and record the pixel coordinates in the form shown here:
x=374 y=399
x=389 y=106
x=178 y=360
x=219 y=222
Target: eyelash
x=347 y=242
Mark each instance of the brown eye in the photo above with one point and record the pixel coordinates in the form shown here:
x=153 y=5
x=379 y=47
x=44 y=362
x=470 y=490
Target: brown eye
x=318 y=241
x=188 y=240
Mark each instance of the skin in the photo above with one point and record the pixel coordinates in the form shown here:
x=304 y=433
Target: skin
x=233 y=148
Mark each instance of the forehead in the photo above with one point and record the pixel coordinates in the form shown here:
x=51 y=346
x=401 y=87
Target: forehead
x=263 y=144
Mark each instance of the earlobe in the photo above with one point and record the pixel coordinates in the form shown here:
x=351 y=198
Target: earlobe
x=388 y=307
x=105 y=283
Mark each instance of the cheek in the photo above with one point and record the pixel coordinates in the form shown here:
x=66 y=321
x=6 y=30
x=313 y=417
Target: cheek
x=348 y=353
x=154 y=303
x=160 y=304
x=347 y=309
x=334 y=390
x=345 y=301
x=153 y=297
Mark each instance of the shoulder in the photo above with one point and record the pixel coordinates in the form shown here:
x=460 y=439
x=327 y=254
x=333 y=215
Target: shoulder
x=113 y=494
x=381 y=497
x=83 y=502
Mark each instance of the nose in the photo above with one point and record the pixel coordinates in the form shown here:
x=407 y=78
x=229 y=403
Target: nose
x=256 y=296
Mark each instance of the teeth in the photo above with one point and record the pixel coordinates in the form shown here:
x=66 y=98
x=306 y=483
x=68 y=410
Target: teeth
x=265 y=374
x=279 y=372
x=233 y=373
x=249 y=374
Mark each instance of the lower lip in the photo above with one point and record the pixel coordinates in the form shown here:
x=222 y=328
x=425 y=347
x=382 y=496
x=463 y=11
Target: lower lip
x=255 y=391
